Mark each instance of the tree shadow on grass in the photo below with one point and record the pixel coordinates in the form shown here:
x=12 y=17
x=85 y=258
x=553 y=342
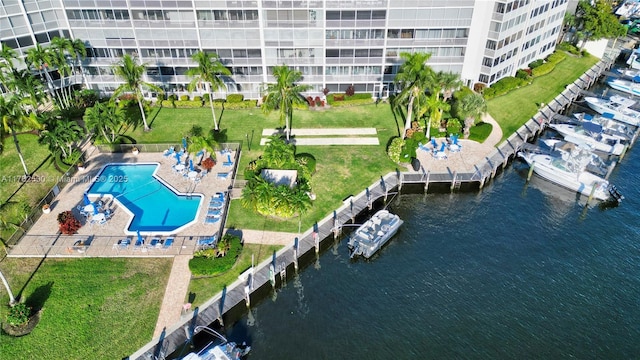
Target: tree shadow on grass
x=39 y=296
x=397 y=112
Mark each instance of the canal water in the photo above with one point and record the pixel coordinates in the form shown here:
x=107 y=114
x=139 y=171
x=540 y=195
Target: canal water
x=515 y=270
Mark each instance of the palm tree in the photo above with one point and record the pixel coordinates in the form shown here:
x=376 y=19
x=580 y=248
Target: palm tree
x=12 y=299
x=39 y=58
x=131 y=73
x=446 y=83
x=208 y=72
x=13 y=119
x=29 y=88
x=60 y=134
x=414 y=78
x=7 y=56
x=61 y=48
x=283 y=94
x=105 y=121
x=78 y=54
x=278 y=154
x=435 y=106
x=470 y=108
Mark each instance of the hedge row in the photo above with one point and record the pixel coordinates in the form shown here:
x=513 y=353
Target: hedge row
x=246 y=104
x=503 y=86
x=351 y=102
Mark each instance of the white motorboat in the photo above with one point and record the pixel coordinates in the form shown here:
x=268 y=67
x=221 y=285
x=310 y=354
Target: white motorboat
x=591 y=134
x=219 y=348
x=619 y=106
x=574 y=168
x=609 y=125
x=627 y=86
x=371 y=235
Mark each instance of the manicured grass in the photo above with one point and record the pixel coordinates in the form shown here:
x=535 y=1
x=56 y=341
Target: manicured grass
x=517 y=107
x=480 y=132
x=354 y=167
x=94 y=308
x=37 y=159
x=203 y=288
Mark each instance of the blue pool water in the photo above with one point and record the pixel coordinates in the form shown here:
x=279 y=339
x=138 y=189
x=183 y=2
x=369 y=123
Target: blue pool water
x=155 y=207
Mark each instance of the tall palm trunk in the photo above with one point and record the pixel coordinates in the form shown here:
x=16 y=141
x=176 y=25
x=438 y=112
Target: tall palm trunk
x=15 y=140
x=12 y=300
x=215 y=121
x=144 y=117
x=407 y=123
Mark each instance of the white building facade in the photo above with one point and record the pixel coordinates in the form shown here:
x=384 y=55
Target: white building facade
x=334 y=43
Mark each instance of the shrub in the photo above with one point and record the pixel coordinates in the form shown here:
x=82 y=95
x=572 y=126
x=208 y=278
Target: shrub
x=184 y=97
x=310 y=100
x=326 y=91
x=556 y=57
x=522 y=74
x=246 y=104
x=350 y=90
x=479 y=87
x=307 y=160
x=352 y=102
x=160 y=97
x=337 y=97
x=503 y=86
x=68 y=223
x=182 y=104
x=318 y=101
x=584 y=52
x=543 y=69
x=205 y=97
x=536 y=63
x=208 y=164
x=395 y=148
x=208 y=262
x=568 y=47
x=235 y=98
x=454 y=126
x=18 y=314
x=197 y=98
x=408 y=150
x=419 y=137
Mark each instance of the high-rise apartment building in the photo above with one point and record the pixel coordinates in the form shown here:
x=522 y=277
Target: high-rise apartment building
x=334 y=43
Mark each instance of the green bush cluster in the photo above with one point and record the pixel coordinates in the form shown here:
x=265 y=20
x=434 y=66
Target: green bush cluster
x=160 y=97
x=18 y=314
x=235 y=98
x=556 y=57
x=182 y=104
x=534 y=64
x=308 y=161
x=207 y=262
x=480 y=132
x=246 y=104
x=184 y=97
x=197 y=98
x=568 y=47
x=454 y=126
x=395 y=148
x=335 y=98
x=522 y=74
x=543 y=69
x=352 y=102
x=503 y=86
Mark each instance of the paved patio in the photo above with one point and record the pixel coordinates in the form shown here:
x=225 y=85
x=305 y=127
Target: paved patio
x=43 y=239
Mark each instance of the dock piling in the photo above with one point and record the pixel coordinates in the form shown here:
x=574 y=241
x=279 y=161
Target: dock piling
x=296 y=243
x=533 y=164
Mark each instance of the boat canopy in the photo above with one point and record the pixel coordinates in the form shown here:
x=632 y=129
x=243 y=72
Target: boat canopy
x=592 y=127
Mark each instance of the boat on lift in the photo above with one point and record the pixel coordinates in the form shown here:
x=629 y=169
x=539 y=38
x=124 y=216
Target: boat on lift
x=219 y=348
x=630 y=87
x=591 y=134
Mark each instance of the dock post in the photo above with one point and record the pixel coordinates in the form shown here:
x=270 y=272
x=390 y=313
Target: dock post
x=247 y=295
x=369 y=203
x=272 y=275
x=253 y=272
x=335 y=225
x=353 y=216
x=593 y=190
x=295 y=253
x=316 y=241
x=624 y=151
x=426 y=183
x=399 y=180
x=533 y=164
x=453 y=181
x=482 y=180
x=384 y=187
x=613 y=165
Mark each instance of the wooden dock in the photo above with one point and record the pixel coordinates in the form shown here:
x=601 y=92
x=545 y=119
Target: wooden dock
x=257 y=281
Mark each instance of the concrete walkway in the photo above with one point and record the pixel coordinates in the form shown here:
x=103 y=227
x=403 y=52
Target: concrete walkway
x=331 y=141
x=174 y=295
x=323 y=131
x=267 y=237
x=347 y=136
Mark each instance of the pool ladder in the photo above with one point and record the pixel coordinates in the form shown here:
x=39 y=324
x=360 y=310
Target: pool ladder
x=190 y=190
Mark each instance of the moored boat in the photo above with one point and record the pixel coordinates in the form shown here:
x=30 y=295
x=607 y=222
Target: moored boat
x=618 y=106
x=374 y=233
x=627 y=86
x=574 y=168
x=609 y=125
x=219 y=348
x=591 y=134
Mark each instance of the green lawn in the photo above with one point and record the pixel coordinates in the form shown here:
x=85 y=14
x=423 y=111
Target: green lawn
x=511 y=111
x=37 y=160
x=203 y=288
x=92 y=308
x=354 y=167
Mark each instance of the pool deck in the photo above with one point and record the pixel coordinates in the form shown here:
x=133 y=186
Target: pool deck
x=43 y=238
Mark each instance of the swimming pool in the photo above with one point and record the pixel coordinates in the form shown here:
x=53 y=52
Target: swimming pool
x=155 y=207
